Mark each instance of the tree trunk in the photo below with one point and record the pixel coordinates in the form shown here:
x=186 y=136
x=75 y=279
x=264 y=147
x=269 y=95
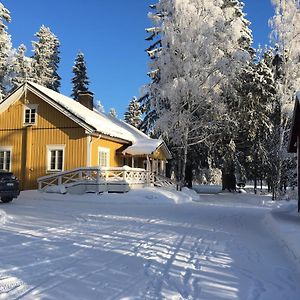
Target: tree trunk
x=184 y=158
x=228 y=180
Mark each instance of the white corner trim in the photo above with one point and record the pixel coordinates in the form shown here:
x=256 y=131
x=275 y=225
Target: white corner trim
x=89 y=141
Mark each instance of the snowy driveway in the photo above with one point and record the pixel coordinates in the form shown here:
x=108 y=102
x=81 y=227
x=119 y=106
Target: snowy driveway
x=141 y=245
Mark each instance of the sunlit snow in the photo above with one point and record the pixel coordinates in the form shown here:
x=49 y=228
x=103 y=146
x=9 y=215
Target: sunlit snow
x=148 y=244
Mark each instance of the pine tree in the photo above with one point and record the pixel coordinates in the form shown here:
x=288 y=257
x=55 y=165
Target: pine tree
x=46 y=59
x=233 y=95
x=147 y=101
x=233 y=10
x=5 y=50
x=80 y=80
x=255 y=116
x=133 y=115
x=99 y=106
x=21 y=67
x=113 y=112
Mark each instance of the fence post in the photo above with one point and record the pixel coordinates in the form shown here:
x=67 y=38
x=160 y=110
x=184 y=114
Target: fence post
x=59 y=180
x=98 y=180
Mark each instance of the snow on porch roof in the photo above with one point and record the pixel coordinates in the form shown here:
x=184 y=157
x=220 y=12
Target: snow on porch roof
x=98 y=121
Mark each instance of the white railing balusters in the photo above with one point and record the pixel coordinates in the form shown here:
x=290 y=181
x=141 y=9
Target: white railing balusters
x=97 y=176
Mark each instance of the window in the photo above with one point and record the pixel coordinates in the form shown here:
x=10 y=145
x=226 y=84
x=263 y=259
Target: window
x=103 y=157
x=5 y=159
x=55 y=158
x=30 y=114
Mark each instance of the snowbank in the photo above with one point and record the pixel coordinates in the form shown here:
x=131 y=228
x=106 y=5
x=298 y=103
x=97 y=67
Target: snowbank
x=3 y=217
x=284 y=223
x=146 y=195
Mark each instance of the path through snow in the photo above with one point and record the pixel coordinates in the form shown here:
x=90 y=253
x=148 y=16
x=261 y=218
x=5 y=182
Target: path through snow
x=141 y=245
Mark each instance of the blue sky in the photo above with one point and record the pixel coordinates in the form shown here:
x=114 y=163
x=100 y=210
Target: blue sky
x=111 y=34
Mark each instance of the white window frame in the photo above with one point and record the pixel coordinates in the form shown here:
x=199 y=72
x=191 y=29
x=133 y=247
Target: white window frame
x=54 y=148
x=30 y=107
x=107 y=151
x=7 y=149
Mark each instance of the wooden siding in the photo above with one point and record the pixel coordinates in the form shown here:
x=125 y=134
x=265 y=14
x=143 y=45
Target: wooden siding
x=159 y=154
x=29 y=143
x=116 y=157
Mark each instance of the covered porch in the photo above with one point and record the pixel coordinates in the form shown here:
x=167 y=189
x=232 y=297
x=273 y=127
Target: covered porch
x=151 y=157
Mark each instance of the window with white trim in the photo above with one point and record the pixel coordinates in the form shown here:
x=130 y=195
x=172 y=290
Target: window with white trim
x=5 y=159
x=55 y=158
x=30 y=114
x=103 y=157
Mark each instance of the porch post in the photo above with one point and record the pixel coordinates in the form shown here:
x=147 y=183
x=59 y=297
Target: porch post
x=148 y=170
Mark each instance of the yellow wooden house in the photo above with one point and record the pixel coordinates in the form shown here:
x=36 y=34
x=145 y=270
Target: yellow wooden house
x=44 y=132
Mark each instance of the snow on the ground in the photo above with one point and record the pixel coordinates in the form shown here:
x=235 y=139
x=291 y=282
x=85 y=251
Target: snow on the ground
x=284 y=223
x=148 y=244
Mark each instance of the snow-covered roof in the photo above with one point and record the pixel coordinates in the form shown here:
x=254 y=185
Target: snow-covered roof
x=92 y=121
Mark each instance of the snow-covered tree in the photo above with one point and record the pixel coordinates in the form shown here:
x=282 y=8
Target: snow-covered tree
x=257 y=90
x=80 y=80
x=200 y=53
x=146 y=101
x=232 y=95
x=286 y=39
x=46 y=59
x=113 y=112
x=99 y=106
x=21 y=67
x=5 y=49
x=233 y=11
x=133 y=114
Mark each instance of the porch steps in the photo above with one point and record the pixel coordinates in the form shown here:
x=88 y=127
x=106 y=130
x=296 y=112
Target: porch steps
x=162 y=181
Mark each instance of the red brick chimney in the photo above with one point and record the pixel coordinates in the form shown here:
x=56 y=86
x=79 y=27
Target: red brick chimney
x=86 y=99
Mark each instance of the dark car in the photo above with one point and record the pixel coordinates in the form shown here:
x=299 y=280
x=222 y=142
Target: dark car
x=9 y=186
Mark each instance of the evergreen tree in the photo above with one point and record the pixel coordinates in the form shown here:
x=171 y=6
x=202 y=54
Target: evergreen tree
x=133 y=115
x=147 y=101
x=46 y=59
x=5 y=50
x=21 y=67
x=233 y=10
x=113 y=112
x=80 y=80
x=99 y=106
x=232 y=96
x=255 y=116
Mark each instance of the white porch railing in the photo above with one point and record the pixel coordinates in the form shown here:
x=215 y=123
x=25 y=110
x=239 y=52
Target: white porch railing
x=97 y=176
